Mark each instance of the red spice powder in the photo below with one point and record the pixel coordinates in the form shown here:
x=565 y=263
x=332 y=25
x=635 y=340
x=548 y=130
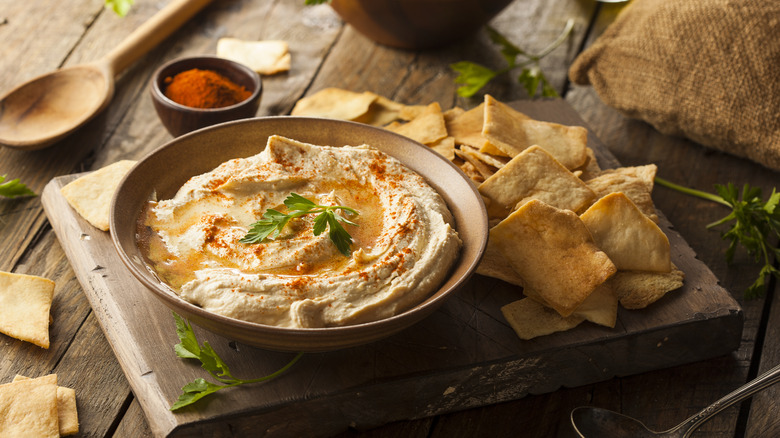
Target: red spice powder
x=198 y=88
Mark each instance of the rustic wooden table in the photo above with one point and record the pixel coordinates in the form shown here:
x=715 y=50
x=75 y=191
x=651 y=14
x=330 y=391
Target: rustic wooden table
x=42 y=35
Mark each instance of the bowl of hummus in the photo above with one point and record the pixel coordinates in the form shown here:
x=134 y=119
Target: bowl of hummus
x=299 y=234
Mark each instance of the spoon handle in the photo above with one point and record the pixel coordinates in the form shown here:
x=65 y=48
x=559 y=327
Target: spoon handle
x=747 y=390
x=151 y=33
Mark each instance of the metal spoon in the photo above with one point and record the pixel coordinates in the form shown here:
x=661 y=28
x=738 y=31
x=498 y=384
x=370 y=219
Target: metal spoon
x=590 y=422
x=47 y=108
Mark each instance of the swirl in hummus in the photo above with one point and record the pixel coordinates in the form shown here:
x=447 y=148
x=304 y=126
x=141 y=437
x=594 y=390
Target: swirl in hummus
x=403 y=247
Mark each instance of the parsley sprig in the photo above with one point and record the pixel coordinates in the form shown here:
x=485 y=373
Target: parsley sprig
x=755 y=223
x=189 y=348
x=474 y=76
x=14 y=188
x=273 y=221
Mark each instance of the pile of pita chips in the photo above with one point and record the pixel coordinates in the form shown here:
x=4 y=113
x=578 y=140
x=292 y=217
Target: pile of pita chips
x=426 y=124
x=90 y=195
x=534 y=174
x=25 y=304
x=265 y=57
x=37 y=407
x=577 y=238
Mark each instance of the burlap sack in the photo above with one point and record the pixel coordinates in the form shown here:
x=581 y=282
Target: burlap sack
x=708 y=70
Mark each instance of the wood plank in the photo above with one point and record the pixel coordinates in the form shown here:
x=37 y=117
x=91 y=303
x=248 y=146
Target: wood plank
x=133 y=423
x=763 y=419
x=78 y=352
x=357 y=64
x=69 y=310
x=463 y=356
x=90 y=368
x=24 y=44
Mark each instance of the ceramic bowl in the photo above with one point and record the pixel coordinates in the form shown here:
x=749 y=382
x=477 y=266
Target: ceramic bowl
x=180 y=119
x=201 y=151
x=417 y=24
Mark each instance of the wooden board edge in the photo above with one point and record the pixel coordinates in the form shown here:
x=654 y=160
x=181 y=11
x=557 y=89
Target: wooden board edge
x=125 y=352
x=468 y=387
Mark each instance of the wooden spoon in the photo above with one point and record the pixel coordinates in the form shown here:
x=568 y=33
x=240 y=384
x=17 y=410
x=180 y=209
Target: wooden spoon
x=40 y=112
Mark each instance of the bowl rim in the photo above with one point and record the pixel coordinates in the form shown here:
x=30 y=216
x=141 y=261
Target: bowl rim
x=416 y=313
x=158 y=76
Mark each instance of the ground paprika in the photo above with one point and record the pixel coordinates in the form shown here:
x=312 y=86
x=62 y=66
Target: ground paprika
x=204 y=89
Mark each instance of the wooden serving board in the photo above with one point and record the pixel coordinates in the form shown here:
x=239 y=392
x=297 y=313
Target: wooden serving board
x=464 y=355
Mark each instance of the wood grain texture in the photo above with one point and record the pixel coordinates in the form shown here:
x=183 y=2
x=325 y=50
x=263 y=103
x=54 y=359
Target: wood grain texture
x=763 y=420
x=463 y=356
x=41 y=35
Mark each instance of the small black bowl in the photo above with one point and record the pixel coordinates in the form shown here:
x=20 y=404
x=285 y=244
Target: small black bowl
x=180 y=119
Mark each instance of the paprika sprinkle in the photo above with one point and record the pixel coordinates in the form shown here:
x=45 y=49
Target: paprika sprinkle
x=198 y=88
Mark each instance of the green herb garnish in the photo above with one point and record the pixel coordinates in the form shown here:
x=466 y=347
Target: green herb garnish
x=474 y=76
x=755 y=222
x=211 y=362
x=120 y=7
x=273 y=221
x=14 y=188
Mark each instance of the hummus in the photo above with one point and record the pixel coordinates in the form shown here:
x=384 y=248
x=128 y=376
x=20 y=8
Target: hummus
x=403 y=245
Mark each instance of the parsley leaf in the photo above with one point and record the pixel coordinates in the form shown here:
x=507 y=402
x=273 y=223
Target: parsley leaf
x=189 y=348
x=14 y=188
x=273 y=221
x=120 y=7
x=474 y=76
x=754 y=223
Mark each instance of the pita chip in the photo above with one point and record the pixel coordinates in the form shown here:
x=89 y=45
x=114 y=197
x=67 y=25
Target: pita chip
x=591 y=168
x=512 y=132
x=29 y=408
x=494 y=264
x=554 y=254
x=90 y=195
x=471 y=171
x=25 y=303
x=497 y=161
x=535 y=174
x=600 y=307
x=636 y=182
x=444 y=147
x=264 y=57
x=380 y=112
x=489 y=148
x=451 y=114
x=334 y=103
x=67 y=414
x=428 y=127
x=631 y=240
x=467 y=127
x=485 y=171
x=637 y=290
x=409 y=112
x=530 y=319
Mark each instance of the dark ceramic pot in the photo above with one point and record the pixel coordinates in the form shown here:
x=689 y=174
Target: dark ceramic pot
x=418 y=24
